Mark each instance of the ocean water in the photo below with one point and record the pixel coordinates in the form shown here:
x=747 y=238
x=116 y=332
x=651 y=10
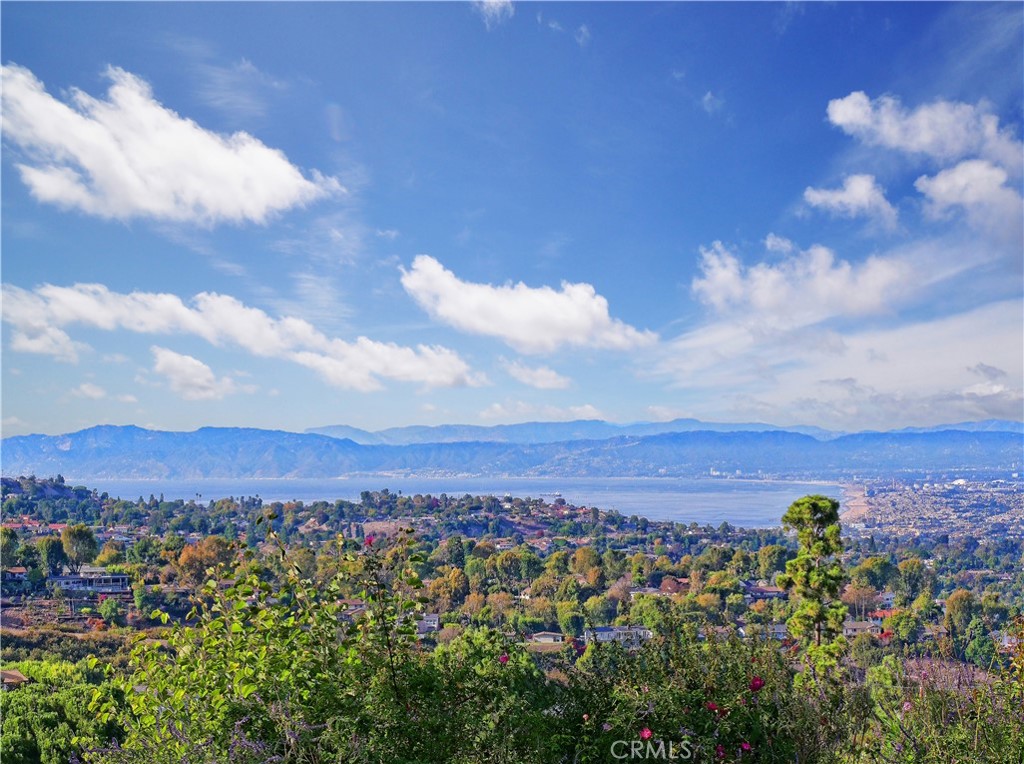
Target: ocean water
x=745 y=503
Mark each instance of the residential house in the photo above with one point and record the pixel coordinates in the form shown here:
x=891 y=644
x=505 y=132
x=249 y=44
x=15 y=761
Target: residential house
x=648 y=590
x=675 y=585
x=756 y=592
x=92 y=580
x=629 y=636
x=428 y=623
x=17 y=573
x=10 y=679
x=548 y=637
x=877 y=616
x=855 y=628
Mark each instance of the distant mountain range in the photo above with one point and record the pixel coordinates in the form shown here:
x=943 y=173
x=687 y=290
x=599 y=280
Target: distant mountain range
x=112 y=452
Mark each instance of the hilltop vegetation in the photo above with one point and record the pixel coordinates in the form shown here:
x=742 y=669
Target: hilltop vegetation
x=308 y=638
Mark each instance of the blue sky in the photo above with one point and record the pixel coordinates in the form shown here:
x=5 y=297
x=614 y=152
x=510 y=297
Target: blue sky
x=380 y=214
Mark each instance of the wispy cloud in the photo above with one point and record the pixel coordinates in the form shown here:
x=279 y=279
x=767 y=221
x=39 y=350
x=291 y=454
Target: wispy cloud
x=237 y=89
x=529 y=319
x=712 y=103
x=494 y=12
x=517 y=411
x=90 y=391
x=129 y=157
x=582 y=35
x=540 y=377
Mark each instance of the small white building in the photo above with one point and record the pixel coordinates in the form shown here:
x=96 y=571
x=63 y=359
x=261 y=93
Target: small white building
x=629 y=636
x=548 y=637
x=427 y=623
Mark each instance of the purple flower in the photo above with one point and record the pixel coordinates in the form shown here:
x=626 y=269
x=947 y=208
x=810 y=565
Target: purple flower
x=503 y=659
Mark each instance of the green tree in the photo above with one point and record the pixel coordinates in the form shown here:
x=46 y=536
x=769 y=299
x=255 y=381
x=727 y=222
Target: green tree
x=961 y=608
x=570 y=618
x=111 y=611
x=8 y=547
x=904 y=625
x=454 y=552
x=816 y=574
x=52 y=556
x=79 y=545
x=771 y=559
x=874 y=571
x=911 y=580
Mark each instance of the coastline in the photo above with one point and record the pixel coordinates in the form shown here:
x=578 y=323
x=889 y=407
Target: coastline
x=854 y=504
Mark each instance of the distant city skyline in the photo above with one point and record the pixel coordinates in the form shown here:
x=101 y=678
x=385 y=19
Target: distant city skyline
x=386 y=214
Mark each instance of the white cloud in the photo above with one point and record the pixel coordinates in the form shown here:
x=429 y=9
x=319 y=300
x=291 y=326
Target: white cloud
x=236 y=89
x=775 y=243
x=711 y=103
x=494 y=12
x=920 y=372
x=582 y=35
x=38 y=320
x=518 y=411
x=980 y=189
x=531 y=320
x=944 y=130
x=129 y=156
x=126 y=398
x=89 y=390
x=540 y=377
x=804 y=289
x=667 y=413
x=860 y=195
x=189 y=377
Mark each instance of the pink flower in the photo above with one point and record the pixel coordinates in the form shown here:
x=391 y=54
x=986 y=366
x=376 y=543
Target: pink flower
x=645 y=734
x=745 y=746
x=907 y=706
x=586 y=717
x=756 y=684
x=368 y=541
x=711 y=706
x=720 y=751
x=503 y=659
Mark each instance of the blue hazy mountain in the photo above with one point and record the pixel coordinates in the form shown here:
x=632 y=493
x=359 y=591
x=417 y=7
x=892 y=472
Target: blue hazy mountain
x=212 y=452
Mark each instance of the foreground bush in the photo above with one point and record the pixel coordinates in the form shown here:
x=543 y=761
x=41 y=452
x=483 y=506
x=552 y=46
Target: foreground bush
x=284 y=675
x=41 y=721
x=943 y=712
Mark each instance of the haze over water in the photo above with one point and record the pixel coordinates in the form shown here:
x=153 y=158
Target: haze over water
x=747 y=503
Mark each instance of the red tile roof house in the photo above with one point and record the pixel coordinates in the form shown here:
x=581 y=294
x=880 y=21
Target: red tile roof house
x=877 y=616
x=11 y=679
